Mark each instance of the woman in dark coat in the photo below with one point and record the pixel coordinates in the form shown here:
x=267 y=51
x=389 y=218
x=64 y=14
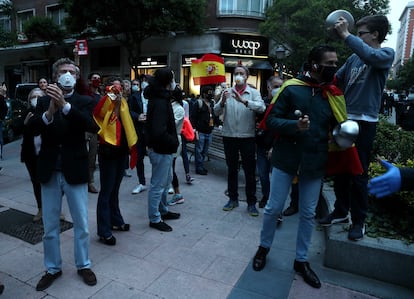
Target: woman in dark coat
x=30 y=149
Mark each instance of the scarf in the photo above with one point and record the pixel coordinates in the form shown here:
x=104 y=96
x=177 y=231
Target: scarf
x=110 y=125
x=339 y=160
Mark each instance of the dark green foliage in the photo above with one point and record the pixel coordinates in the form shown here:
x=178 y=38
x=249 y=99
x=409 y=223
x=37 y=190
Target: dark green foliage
x=43 y=29
x=394 y=145
x=393 y=216
x=7 y=39
x=406 y=75
x=131 y=22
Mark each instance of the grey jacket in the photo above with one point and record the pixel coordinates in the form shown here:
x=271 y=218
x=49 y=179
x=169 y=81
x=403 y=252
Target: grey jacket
x=240 y=121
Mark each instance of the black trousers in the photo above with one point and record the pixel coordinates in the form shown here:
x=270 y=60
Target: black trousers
x=246 y=149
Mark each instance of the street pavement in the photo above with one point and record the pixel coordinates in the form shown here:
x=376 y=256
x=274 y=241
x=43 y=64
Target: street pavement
x=207 y=255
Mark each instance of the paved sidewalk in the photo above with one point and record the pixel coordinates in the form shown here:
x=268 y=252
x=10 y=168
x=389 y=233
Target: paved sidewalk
x=207 y=255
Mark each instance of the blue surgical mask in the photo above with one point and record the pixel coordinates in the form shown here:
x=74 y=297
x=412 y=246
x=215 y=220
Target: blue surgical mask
x=274 y=91
x=134 y=88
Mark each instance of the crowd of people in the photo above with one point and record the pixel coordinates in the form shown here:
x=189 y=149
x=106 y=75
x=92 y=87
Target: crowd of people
x=281 y=137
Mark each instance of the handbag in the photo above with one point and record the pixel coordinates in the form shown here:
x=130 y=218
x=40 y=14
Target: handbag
x=187 y=130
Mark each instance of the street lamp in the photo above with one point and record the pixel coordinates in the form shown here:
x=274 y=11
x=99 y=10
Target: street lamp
x=280 y=55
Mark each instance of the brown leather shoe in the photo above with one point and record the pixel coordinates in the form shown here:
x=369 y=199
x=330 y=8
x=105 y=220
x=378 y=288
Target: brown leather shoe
x=92 y=189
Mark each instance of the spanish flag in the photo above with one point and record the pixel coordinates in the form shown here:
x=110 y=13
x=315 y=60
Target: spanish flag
x=209 y=69
x=110 y=125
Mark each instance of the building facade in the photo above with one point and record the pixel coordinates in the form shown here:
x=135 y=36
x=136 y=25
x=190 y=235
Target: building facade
x=405 y=38
x=231 y=32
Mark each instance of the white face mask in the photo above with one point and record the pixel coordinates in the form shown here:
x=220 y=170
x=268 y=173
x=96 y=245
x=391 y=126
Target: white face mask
x=274 y=91
x=33 y=102
x=173 y=85
x=67 y=81
x=239 y=80
x=144 y=84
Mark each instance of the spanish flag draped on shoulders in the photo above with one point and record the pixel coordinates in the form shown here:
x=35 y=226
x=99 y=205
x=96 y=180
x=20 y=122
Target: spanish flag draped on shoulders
x=110 y=125
x=339 y=160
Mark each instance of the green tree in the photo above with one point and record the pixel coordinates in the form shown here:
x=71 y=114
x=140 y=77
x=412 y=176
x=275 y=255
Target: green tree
x=300 y=25
x=405 y=75
x=131 y=22
x=7 y=39
x=44 y=29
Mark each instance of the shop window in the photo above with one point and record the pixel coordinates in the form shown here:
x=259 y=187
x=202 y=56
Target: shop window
x=57 y=14
x=23 y=17
x=243 y=8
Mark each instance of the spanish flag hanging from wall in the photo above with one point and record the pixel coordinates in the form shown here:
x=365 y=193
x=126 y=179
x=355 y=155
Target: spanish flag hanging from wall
x=209 y=69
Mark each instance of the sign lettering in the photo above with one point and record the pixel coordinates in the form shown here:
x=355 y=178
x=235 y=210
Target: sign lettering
x=245 y=46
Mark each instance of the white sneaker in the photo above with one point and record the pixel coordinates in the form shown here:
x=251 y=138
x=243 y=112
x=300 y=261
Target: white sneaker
x=171 y=191
x=138 y=189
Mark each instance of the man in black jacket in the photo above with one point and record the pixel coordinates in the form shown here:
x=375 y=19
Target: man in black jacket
x=203 y=122
x=62 y=118
x=162 y=142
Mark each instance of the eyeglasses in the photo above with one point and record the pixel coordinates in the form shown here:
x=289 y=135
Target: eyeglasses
x=361 y=33
x=276 y=86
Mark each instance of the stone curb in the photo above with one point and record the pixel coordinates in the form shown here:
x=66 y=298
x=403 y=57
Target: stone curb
x=383 y=259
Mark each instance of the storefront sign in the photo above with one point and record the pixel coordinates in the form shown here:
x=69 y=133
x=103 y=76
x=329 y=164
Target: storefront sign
x=244 y=45
x=153 y=61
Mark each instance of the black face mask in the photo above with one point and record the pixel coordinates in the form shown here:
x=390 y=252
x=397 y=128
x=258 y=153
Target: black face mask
x=327 y=72
x=209 y=96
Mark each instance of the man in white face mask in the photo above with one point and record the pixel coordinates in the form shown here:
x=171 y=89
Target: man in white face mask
x=239 y=105
x=62 y=118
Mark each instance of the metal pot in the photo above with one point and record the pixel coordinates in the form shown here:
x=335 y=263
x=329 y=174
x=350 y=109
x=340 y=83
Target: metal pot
x=345 y=133
x=333 y=17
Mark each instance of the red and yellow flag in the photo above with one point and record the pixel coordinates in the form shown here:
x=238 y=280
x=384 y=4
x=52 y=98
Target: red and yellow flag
x=209 y=69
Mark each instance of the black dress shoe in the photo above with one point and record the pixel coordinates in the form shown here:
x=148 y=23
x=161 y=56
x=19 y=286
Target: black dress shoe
x=47 y=280
x=111 y=241
x=263 y=202
x=162 y=226
x=201 y=172
x=259 y=260
x=88 y=276
x=290 y=211
x=304 y=269
x=170 y=216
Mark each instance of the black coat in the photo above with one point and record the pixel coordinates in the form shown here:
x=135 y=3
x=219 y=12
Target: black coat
x=160 y=130
x=65 y=138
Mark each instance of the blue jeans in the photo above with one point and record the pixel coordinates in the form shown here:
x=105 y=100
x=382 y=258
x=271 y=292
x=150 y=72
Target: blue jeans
x=351 y=191
x=77 y=198
x=309 y=189
x=201 y=149
x=263 y=168
x=108 y=213
x=160 y=182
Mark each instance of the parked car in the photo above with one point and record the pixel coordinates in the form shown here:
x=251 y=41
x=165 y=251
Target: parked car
x=14 y=121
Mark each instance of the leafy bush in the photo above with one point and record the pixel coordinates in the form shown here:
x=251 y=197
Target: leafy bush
x=395 y=145
x=43 y=29
x=393 y=216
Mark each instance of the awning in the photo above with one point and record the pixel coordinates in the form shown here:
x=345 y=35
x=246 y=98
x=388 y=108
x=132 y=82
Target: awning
x=260 y=64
